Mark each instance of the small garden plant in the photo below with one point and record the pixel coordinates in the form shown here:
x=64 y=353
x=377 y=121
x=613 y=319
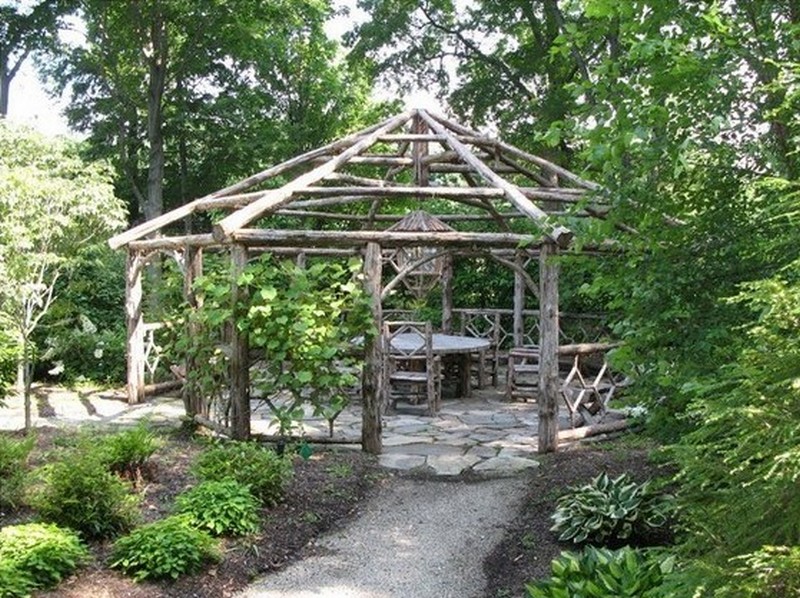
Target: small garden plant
x=13 y=468
x=37 y=556
x=608 y=511
x=262 y=470
x=165 y=549
x=221 y=508
x=80 y=492
x=604 y=573
x=128 y=452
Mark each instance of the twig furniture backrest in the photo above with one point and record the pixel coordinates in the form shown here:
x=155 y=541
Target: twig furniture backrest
x=412 y=372
x=485 y=325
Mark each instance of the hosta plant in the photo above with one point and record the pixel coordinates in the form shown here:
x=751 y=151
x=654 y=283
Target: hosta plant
x=221 y=508
x=165 y=549
x=608 y=511
x=604 y=573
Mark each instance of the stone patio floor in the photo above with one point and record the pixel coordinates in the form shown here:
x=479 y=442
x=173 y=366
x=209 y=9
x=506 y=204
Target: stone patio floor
x=484 y=434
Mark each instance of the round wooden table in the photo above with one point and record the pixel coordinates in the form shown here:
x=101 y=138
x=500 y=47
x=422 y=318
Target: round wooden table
x=445 y=345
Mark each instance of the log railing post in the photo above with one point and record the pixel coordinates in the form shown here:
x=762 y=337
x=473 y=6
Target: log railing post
x=240 y=363
x=372 y=381
x=193 y=402
x=548 y=348
x=447 y=294
x=518 y=326
x=135 y=327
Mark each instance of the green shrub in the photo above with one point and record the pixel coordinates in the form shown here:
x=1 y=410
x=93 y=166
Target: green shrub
x=604 y=573
x=13 y=582
x=83 y=333
x=165 y=549
x=37 y=555
x=9 y=355
x=13 y=459
x=768 y=572
x=81 y=493
x=221 y=508
x=127 y=452
x=609 y=510
x=262 y=470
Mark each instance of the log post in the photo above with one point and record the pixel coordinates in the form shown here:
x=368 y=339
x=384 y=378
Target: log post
x=193 y=403
x=548 y=348
x=447 y=294
x=518 y=326
x=372 y=382
x=135 y=327
x=240 y=362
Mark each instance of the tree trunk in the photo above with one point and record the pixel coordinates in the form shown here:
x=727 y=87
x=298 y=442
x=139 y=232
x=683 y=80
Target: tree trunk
x=157 y=65
x=5 y=86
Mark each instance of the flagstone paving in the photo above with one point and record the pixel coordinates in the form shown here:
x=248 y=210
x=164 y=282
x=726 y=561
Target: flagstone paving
x=484 y=435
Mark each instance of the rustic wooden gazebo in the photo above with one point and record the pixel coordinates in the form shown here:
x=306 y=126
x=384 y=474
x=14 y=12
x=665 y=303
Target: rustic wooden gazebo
x=348 y=191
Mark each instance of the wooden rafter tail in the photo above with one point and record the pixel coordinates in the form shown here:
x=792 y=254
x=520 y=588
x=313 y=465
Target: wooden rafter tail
x=151 y=226
x=559 y=234
x=275 y=198
x=519 y=153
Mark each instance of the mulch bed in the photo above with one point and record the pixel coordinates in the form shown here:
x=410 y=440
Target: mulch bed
x=529 y=546
x=326 y=491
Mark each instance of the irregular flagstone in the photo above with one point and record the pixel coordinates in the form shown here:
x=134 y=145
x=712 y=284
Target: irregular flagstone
x=409 y=429
x=391 y=440
x=485 y=436
x=451 y=464
x=505 y=465
x=425 y=449
x=401 y=461
x=484 y=452
x=477 y=418
x=518 y=452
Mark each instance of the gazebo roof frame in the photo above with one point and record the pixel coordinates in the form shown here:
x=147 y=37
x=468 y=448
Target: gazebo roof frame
x=499 y=183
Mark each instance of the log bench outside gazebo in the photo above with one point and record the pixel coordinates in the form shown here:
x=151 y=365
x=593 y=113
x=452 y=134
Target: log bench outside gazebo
x=354 y=184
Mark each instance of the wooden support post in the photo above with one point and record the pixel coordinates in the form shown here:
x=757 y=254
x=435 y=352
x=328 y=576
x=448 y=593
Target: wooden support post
x=548 y=348
x=447 y=294
x=518 y=326
x=135 y=327
x=372 y=383
x=240 y=361
x=193 y=403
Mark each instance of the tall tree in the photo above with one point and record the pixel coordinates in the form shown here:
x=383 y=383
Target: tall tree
x=190 y=107
x=24 y=29
x=51 y=203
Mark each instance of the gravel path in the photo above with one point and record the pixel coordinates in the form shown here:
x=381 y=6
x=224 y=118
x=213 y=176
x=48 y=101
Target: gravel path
x=415 y=538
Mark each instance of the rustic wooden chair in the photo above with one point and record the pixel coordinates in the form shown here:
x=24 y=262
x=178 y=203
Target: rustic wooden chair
x=523 y=373
x=412 y=373
x=486 y=363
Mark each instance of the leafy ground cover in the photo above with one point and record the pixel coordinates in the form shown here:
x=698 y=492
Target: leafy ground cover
x=529 y=546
